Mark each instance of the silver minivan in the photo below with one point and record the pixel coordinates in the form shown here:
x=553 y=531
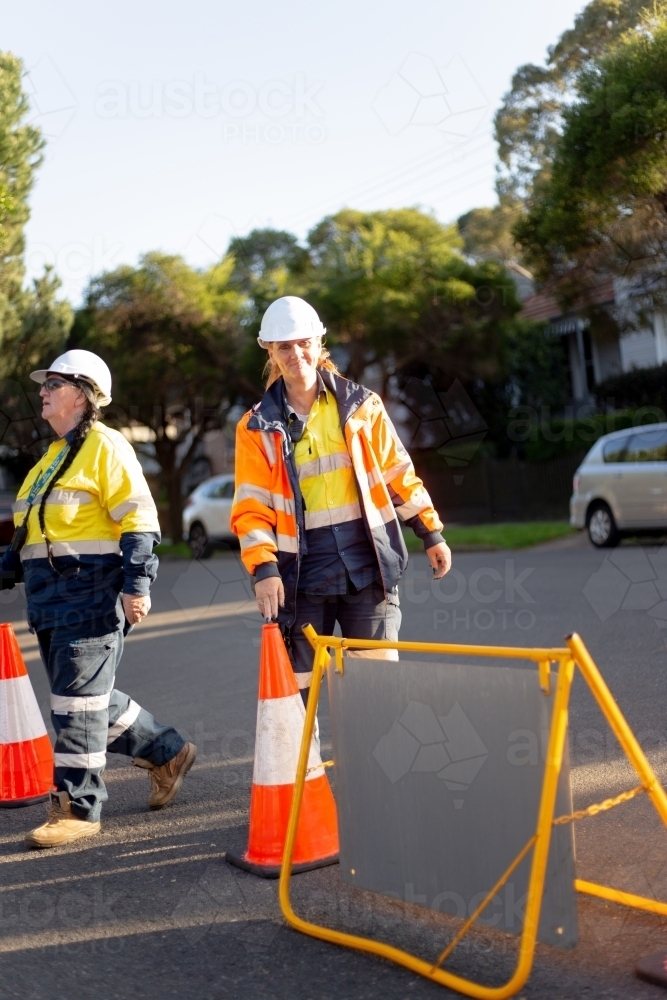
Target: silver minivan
x=621 y=486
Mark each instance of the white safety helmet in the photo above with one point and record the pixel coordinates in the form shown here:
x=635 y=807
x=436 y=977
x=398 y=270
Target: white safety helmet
x=83 y=365
x=289 y=318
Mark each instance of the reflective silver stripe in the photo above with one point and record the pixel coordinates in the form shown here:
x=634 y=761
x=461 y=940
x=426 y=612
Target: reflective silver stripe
x=143 y=502
x=63 y=705
x=269 y=447
x=374 y=477
x=396 y=470
x=94 y=548
x=328 y=463
x=82 y=760
x=286 y=543
x=247 y=492
x=284 y=504
x=258 y=537
x=123 y=722
x=303 y=680
x=415 y=506
x=66 y=498
x=332 y=515
x=378 y=516
x=274 y=500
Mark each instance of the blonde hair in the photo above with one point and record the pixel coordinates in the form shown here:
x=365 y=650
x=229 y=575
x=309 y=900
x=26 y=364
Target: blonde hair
x=271 y=371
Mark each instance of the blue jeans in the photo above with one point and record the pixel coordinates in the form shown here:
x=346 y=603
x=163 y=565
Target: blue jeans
x=91 y=717
x=366 y=614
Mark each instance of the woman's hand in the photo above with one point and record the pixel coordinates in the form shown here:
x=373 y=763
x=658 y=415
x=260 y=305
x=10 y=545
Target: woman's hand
x=136 y=607
x=440 y=558
x=270 y=595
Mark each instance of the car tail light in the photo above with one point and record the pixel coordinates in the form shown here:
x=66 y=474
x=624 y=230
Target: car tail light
x=575 y=484
x=188 y=502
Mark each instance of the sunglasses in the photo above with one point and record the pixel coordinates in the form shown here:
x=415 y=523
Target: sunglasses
x=51 y=384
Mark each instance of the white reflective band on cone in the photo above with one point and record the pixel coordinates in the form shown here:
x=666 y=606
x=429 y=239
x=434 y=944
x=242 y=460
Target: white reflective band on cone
x=279 y=731
x=20 y=717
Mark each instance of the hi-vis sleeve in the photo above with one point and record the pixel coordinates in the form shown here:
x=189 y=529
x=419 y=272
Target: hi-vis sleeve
x=254 y=518
x=124 y=492
x=408 y=494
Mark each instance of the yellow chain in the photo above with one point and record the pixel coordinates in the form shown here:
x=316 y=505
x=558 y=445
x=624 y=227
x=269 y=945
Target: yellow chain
x=325 y=763
x=599 y=807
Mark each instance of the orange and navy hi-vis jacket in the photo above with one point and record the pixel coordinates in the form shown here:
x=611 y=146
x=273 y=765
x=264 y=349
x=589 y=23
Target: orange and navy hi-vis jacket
x=268 y=510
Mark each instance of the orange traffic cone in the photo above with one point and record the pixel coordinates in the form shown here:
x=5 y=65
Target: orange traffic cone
x=280 y=719
x=26 y=757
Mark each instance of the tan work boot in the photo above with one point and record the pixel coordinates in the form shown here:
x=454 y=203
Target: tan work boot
x=167 y=778
x=62 y=827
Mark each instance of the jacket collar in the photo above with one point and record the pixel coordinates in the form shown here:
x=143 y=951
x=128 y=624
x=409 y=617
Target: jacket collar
x=270 y=413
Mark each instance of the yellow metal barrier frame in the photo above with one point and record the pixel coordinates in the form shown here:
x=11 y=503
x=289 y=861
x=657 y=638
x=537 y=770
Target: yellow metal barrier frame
x=575 y=654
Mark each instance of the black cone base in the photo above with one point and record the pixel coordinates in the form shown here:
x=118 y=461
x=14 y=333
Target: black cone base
x=237 y=856
x=18 y=803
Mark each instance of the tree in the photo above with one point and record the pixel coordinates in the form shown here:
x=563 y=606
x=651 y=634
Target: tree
x=603 y=205
x=267 y=263
x=487 y=232
x=394 y=290
x=20 y=155
x=170 y=336
x=529 y=122
x=43 y=327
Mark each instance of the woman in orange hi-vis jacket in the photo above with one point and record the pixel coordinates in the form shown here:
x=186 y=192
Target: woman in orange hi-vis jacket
x=323 y=485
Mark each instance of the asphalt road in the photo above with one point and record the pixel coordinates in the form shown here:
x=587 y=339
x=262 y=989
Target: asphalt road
x=151 y=909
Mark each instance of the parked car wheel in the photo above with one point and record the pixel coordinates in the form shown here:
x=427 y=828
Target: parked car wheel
x=601 y=526
x=200 y=544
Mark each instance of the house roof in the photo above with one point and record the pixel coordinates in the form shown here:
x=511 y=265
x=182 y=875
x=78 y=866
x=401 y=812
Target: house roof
x=545 y=306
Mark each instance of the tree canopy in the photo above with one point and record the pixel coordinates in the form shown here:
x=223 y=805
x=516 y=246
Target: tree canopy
x=170 y=335
x=602 y=206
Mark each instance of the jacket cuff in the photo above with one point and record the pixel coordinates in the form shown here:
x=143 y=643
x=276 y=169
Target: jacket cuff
x=265 y=570
x=433 y=538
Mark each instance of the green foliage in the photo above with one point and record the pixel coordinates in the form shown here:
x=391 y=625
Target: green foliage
x=170 y=335
x=529 y=122
x=485 y=537
x=20 y=155
x=538 y=376
x=541 y=438
x=637 y=389
x=487 y=232
x=603 y=205
x=42 y=331
x=394 y=290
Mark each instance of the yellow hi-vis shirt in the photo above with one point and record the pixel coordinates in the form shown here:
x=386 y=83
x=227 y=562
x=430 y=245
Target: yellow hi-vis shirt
x=335 y=532
x=324 y=467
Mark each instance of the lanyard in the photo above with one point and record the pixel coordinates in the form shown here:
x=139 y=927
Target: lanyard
x=45 y=476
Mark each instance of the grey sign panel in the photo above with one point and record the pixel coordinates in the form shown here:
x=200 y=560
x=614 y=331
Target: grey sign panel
x=439 y=770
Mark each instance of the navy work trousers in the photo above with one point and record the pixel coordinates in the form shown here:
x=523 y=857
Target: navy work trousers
x=91 y=717
x=366 y=614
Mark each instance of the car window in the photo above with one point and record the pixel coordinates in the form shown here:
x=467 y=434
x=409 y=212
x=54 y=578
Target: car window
x=614 y=451
x=648 y=446
x=222 y=491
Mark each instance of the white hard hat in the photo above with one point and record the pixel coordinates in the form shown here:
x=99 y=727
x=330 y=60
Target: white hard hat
x=289 y=318
x=83 y=365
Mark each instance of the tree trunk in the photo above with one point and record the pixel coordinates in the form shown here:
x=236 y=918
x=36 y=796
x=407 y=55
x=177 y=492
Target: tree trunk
x=175 y=506
x=171 y=477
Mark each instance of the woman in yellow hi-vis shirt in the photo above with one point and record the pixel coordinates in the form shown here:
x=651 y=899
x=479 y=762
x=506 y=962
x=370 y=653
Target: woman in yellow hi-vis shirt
x=323 y=485
x=86 y=525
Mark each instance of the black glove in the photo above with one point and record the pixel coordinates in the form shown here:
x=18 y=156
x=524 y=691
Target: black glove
x=11 y=570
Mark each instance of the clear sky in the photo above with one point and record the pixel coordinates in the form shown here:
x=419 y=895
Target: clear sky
x=174 y=125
